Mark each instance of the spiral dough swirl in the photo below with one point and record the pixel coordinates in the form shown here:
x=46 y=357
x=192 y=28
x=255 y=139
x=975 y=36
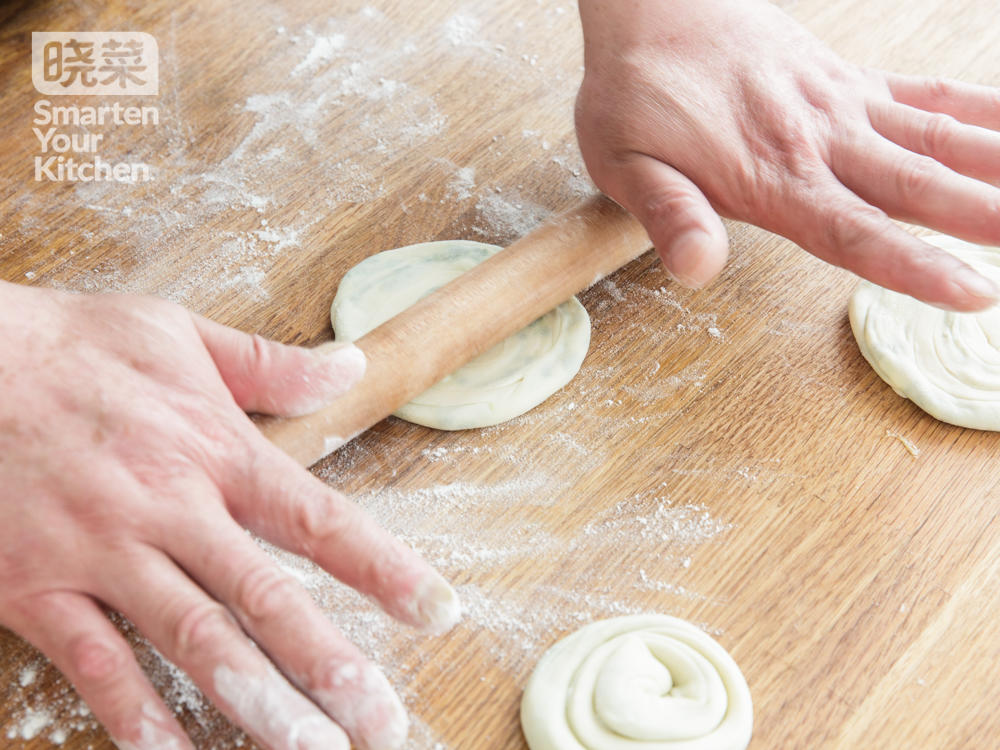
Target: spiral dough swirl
x=642 y=682
x=947 y=363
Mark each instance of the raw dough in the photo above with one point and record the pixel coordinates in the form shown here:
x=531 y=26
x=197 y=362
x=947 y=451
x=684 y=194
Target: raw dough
x=947 y=363
x=641 y=682
x=514 y=376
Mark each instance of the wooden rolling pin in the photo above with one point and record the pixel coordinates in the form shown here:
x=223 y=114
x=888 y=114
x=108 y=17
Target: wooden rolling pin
x=421 y=345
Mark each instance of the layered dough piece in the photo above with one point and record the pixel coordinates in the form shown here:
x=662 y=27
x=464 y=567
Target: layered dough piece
x=514 y=376
x=641 y=682
x=947 y=363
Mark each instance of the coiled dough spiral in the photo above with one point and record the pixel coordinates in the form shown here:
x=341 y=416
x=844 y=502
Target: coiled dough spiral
x=641 y=682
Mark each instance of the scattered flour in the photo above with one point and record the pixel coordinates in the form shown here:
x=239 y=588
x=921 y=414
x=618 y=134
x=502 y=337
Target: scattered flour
x=56 y=719
x=323 y=50
x=655 y=518
x=464 y=30
x=504 y=219
x=462 y=184
x=28 y=675
x=243 y=185
x=32 y=724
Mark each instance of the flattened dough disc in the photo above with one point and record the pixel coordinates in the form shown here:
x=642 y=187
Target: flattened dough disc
x=514 y=376
x=947 y=363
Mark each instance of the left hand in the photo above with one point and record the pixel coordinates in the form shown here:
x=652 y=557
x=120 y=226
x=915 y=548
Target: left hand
x=690 y=110
x=128 y=473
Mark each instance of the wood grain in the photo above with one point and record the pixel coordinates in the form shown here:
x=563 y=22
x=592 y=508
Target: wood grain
x=725 y=456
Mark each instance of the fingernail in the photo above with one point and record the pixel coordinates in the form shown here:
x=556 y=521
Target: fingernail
x=686 y=252
x=975 y=284
x=336 y=368
x=436 y=605
x=343 y=361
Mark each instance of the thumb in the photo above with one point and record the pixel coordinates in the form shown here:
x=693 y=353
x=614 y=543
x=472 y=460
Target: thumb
x=686 y=231
x=272 y=378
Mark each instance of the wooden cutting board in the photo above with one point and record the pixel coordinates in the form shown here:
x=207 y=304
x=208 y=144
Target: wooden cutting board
x=724 y=456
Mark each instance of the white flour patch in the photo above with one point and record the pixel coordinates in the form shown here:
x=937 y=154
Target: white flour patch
x=443 y=499
x=656 y=518
x=464 y=30
x=323 y=50
x=452 y=553
x=32 y=723
x=59 y=716
x=152 y=734
x=504 y=219
x=462 y=184
x=28 y=675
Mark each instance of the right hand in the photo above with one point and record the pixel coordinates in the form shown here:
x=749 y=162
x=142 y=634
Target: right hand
x=691 y=110
x=128 y=467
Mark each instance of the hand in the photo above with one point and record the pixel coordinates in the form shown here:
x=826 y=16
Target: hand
x=128 y=466
x=688 y=109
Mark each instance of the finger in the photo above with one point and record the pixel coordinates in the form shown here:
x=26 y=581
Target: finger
x=75 y=634
x=968 y=102
x=685 y=230
x=283 y=620
x=282 y=502
x=918 y=189
x=859 y=237
x=272 y=378
x=971 y=150
x=201 y=637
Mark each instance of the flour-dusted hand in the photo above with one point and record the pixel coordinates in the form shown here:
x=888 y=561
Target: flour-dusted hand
x=693 y=109
x=127 y=469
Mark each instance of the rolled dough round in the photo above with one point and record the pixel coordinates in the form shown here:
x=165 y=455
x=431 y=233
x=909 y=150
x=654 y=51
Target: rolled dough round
x=514 y=376
x=641 y=682
x=947 y=363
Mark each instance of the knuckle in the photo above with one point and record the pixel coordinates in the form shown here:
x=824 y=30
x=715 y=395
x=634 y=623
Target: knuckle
x=97 y=660
x=258 y=353
x=940 y=89
x=317 y=520
x=846 y=230
x=256 y=371
x=252 y=361
x=151 y=314
x=937 y=133
x=585 y=110
x=201 y=629
x=668 y=206
x=915 y=177
x=264 y=592
x=919 y=263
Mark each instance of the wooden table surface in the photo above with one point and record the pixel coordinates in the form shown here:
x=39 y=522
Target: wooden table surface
x=724 y=456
